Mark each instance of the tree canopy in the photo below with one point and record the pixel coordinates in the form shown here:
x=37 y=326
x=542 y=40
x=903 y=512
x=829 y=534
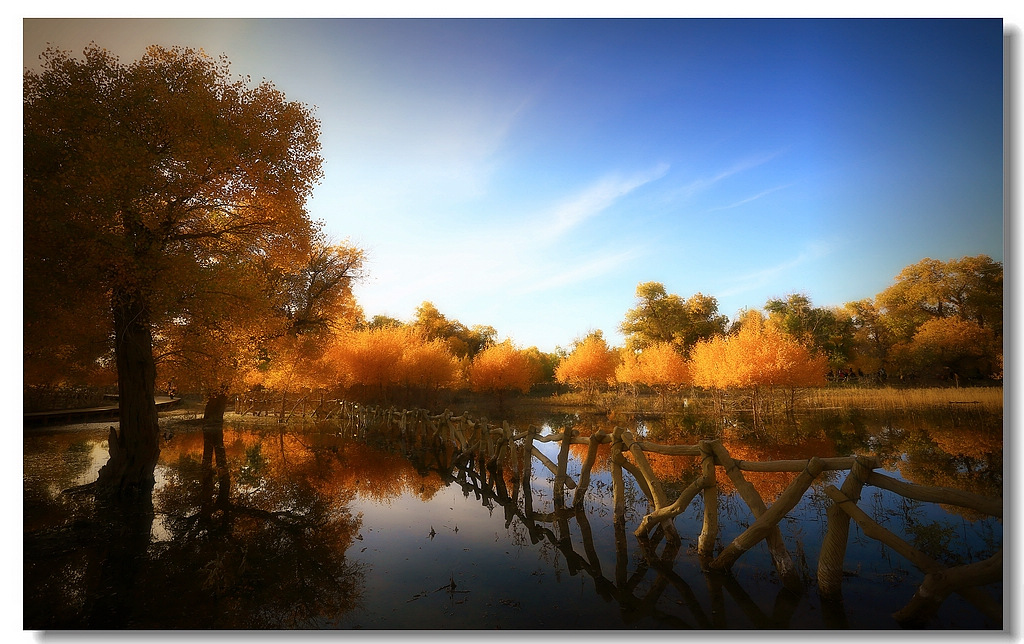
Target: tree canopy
x=970 y=288
x=663 y=317
x=758 y=355
x=590 y=365
x=465 y=342
x=144 y=184
x=826 y=330
x=503 y=367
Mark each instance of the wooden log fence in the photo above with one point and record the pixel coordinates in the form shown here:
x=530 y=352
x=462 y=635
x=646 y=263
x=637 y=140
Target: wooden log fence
x=458 y=440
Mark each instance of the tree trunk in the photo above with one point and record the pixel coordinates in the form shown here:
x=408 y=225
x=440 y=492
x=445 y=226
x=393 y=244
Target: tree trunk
x=216 y=404
x=134 y=450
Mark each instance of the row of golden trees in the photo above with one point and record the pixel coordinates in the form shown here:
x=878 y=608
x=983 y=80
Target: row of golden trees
x=397 y=362
x=937 y=320
x=757 y=358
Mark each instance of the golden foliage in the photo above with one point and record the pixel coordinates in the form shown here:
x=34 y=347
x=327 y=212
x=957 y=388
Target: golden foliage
x=391 y=355
x=297 y=362
x=503 y=367
x=189 y=186
x=368 y=357
x=970 y=288
x=952 y=344
x=428 y=364
x=759 y=354
x=590 y=365
x=659 y=365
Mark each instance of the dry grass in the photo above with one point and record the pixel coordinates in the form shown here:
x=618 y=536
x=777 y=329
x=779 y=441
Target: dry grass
x=838 y=398
x=895 y=400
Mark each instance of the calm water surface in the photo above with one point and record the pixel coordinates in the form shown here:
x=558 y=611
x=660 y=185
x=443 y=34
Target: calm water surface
x=302 y=527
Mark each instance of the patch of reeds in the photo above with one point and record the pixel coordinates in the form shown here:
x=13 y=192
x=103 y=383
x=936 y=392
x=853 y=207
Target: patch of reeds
x=892 y=399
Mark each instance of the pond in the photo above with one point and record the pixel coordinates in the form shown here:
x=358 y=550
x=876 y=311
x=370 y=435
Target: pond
x=255 y=526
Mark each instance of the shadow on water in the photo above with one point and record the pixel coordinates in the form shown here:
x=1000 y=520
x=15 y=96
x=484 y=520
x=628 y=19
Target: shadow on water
x=285 y=527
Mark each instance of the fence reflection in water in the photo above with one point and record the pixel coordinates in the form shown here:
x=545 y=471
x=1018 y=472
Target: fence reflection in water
x=476 y=454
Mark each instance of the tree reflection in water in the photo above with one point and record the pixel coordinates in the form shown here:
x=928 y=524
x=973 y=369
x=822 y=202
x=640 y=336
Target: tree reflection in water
x=253 y=527
x=269 y=553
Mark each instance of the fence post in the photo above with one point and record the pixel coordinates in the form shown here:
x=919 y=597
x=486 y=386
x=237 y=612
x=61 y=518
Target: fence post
x=709 y=531
x=833 y=547
x=562 y=466
x=581 y=489
x=618 y=485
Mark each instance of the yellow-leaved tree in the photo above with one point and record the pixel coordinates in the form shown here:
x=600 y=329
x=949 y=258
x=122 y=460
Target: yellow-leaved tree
x=590 y=365
x=953 y=348
x=426 y=367
x=272 y=334
x=758 y=358
x=372 y=362
x=368 y=360
x=501 y=368
x=141 y=181
x=659 y=366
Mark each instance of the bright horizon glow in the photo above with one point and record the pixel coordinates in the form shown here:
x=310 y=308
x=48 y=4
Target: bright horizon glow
x=528 y=174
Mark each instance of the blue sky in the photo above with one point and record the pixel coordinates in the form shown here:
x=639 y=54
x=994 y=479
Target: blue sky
x=528 y=174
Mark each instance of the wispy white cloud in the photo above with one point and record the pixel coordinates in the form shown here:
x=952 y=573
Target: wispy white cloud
x=764 y=276
x=596 y=267
x=749 y=199
x=703 y=183
x=595 y=199
x=499 y=261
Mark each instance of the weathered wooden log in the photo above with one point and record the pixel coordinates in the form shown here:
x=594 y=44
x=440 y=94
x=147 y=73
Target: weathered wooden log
x=670 y=450
x=527 y=474
x=546 y=462
x=618 y=484
x=559 y=437
x=797 y=465
x=923 y=562
x=669 y=512
x=760 y=528
x=588 y=464
x=638 y=476
x=833 y=547
x=709 y=529
x=657 y=492
x=938 y=585
x=949 y=496
x=562 y=466
x=776 y=547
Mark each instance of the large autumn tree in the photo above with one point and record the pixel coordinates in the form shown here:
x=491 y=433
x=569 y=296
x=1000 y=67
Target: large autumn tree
x=140 y=179
x=970 y=288
x=309 y=302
